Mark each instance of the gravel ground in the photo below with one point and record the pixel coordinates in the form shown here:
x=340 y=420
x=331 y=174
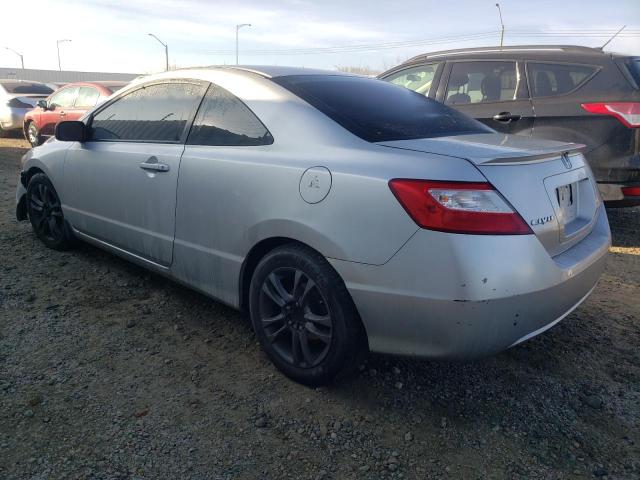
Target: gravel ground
x=108 y=371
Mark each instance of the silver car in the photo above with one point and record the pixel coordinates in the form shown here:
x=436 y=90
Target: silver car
x=344 y=214
x=17 y=97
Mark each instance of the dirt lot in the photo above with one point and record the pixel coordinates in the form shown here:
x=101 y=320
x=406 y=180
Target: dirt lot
x=108 y=371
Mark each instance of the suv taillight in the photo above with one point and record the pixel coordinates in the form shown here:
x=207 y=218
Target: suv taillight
x=631 y=191
x=458 y=207
x=627 y=112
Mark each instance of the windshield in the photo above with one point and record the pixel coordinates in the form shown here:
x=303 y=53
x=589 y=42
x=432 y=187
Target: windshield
x=26 y=87
x=378 y=111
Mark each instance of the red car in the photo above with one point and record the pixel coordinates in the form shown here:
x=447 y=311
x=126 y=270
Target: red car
x=67 y=103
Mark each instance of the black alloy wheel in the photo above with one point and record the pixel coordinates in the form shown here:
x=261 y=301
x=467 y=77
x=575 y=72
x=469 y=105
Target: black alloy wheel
x=45 y=213
x=304 y=316
x=295 y=317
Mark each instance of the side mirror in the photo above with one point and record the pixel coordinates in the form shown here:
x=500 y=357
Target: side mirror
x=42 y=104
x=412 y=77
x=71 y=131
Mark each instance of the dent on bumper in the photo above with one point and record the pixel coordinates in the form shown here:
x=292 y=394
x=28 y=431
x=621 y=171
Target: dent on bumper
x=462 y=296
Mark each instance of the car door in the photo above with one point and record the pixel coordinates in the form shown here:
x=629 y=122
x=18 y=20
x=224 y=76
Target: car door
x=225 y=135
x=121 y=184
x=493 y=92
x=56 y=110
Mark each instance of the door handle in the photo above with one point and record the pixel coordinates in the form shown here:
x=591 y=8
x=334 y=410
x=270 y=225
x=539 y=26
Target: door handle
x=506 y=117
x=156 y=166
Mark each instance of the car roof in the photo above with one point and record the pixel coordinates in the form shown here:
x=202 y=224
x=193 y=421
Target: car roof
x=100 y=83
x=556 y=52
x=270 y=71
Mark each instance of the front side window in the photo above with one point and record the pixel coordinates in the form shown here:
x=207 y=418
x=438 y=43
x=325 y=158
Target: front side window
x=87 y=97
x=64 y=98
x=154 y=113
x=481 y=82
x=418 y=79
x=548 y=79
x=225 y=121
x=378 y=111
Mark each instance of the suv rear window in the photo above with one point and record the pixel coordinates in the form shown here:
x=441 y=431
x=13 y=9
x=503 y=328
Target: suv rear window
x=549 y=79
x=378 y=111
x=633 y=67
x=26 y=87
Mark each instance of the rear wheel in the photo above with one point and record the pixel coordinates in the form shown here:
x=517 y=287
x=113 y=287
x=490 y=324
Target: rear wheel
x=304 y=317
x=33 y=135
x=45 y=214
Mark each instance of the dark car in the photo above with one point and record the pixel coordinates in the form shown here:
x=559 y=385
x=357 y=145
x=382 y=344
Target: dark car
x=568 y=93
x=69 y=102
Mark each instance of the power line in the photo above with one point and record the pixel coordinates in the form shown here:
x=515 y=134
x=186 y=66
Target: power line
x=559 y=33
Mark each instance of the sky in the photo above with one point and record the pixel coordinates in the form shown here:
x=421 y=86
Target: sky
x=112 y=36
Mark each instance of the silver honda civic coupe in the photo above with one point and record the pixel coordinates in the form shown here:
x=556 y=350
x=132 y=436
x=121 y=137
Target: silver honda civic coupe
x=343 y=214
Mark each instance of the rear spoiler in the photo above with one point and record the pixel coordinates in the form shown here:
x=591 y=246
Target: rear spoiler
x=539 y=155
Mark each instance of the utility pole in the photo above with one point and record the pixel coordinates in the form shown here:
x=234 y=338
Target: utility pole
x=58 y=42
x=19 y=54
x=501 y=24
x=166 y=52
x=238 y=27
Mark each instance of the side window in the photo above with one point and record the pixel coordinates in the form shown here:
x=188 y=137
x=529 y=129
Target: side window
x=155 y=113
x=64 y=98
x=547 y=79
x=418 y=79
x=478 y=82
x=224 y=120
x=87 y=97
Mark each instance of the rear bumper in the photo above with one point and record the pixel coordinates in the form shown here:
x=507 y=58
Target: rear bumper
x=462 y=296
x=12 y=118
x=614 y=196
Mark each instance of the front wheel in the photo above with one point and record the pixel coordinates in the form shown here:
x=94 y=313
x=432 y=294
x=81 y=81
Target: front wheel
x=45 y=214
x=304 y=317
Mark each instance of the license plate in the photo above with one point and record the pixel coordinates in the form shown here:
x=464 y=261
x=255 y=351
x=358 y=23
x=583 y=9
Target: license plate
x=568 y=201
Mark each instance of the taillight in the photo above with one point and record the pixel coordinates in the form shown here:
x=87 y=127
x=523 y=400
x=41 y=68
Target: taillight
x=631 y=191
x=627 y=112
x=458 y=207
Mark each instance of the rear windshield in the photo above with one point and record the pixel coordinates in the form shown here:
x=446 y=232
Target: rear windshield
x=26 y=87
x=378 y=111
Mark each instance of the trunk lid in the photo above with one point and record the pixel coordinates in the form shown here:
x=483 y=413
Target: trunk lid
x=548 y=183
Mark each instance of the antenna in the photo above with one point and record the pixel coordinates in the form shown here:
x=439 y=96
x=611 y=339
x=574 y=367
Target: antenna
x=614 y=36
x=501 y=24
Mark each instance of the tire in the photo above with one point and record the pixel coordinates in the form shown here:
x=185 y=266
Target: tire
x=45 y=214
x=304 y=317
x=33 y=134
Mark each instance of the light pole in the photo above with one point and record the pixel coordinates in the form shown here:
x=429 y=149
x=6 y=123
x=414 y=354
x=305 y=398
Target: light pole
x=19 y=54
x=238 y=27
x=166 y=52
x=58 y=42
x=501 y=24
